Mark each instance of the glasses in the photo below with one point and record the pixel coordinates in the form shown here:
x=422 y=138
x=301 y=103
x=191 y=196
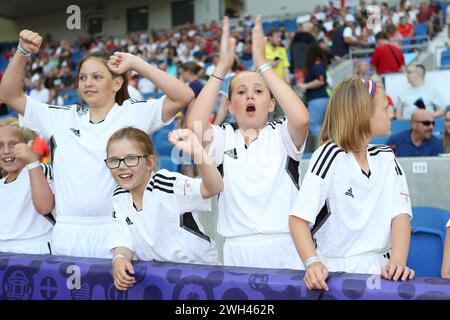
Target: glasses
x=130 y=161
x=426 y=123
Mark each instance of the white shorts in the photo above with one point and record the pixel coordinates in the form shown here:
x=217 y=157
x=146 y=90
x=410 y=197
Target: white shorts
x=275 y=250
x=81 y=237
x=368 y=263
x=37 y=245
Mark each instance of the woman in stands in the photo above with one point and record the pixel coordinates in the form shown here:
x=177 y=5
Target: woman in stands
x=446 y=138
x=83 y=186
x=259 y=159
x=354 y=193
x=153 y=217
x=25 y=193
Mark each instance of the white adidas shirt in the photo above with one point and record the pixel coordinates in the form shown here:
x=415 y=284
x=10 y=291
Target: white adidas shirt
x=83 y=184
x=260 y=182
x=362 y=207
x=20 y=220
x=165 y=229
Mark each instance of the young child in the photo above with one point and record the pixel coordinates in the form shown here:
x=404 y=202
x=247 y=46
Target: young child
x=153 y=217
x=83 y=185
x=259 y=160
x=25 y=193
x=445 y=270
x=360 y=191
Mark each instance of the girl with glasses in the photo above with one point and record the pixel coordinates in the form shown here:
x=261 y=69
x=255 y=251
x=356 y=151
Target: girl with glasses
x=154 y=214
x=83 y=186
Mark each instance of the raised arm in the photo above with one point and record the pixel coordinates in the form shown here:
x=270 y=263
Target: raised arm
x=293 y=107
x=186 y=140
x=198 y=118
x=41 y=193
x=11 y=90
x=178 y=94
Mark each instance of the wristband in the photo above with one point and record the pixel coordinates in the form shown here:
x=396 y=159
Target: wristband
x=33 y=165
x=312 y=260
x=263 y=68
x=23 y=52
x=214 y=76
x=117 y=256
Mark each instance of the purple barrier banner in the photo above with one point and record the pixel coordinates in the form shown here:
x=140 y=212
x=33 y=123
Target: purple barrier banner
x=39 y=277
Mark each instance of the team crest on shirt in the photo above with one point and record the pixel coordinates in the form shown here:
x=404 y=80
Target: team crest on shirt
x=75 y=132
x=231 y=153
x=81 y=110
x=350 y=193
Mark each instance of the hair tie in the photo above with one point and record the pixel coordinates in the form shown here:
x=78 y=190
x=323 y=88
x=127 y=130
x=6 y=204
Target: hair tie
x=371 y=87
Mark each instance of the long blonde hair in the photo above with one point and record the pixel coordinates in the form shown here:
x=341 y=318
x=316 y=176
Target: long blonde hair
x=25 y=134
x=446 y=139
x=347 y=118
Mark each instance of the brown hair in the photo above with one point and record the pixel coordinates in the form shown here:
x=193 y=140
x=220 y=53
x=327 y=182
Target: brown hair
x=446 y=139
x=135 y=135
x=103 y=56
x=191 y=67
x=347 y=118
x=25 y=134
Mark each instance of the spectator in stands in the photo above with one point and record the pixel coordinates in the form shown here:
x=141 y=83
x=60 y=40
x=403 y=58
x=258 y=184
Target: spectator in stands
x=379 y=81
x=419 y=140
x=303 y=38
x=83 y=192
x=355 y=194
x=39 y=92
x=253 y=155
x=446 y=135
x=362 y=69
x=345 y=36
x=386 y=57
x=445 y=269
x=419 y=96
x=405 y=28
x=210 y=68
x=315 y=86
x=394 y=37
x=276 y=55
x=158 y=203
x=26 y=193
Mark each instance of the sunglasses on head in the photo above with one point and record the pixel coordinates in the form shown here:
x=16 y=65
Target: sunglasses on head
x=426 y=123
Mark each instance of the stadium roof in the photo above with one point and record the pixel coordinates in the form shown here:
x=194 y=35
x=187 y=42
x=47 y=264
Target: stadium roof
x=18 y=9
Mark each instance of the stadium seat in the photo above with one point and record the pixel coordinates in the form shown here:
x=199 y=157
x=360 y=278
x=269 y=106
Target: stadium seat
x=379 y=140
x=445 y=59
x=400 y=125
x=70 y=96
x=152 y=95
x=165 y=162
x=427 y=240
x=420 y=30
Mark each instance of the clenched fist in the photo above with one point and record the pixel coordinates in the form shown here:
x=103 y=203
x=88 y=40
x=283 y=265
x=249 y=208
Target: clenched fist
x=30 y=41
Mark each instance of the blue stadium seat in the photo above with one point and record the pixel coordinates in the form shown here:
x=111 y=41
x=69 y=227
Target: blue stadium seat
x=3 y=63
x=165 y=162
x=439 y=126
x=427 y=240
x=379 y=140
x=445 y=59
x=307 y=156
x=70 y=96
x=152 y=95
x=420 y=29
x=400 y=125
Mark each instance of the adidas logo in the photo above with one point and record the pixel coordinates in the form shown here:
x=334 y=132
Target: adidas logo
x=128 y=221
x=231 y=153
x=350 y=193
x=75 y=132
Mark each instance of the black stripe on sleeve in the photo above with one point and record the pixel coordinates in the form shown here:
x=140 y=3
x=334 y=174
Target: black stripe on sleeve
x=320 y=155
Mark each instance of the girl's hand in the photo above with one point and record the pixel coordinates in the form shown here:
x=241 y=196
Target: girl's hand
x=121 y=62
x=25 y=152
x=395 y=271
x=122 y=281
x=258 y=43
x=30 y=41
x=186 y=140
x=315 y=277
x=227 y=49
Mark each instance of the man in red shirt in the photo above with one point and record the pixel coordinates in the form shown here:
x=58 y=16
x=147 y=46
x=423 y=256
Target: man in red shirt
x=386 y=57
x=405 y=27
